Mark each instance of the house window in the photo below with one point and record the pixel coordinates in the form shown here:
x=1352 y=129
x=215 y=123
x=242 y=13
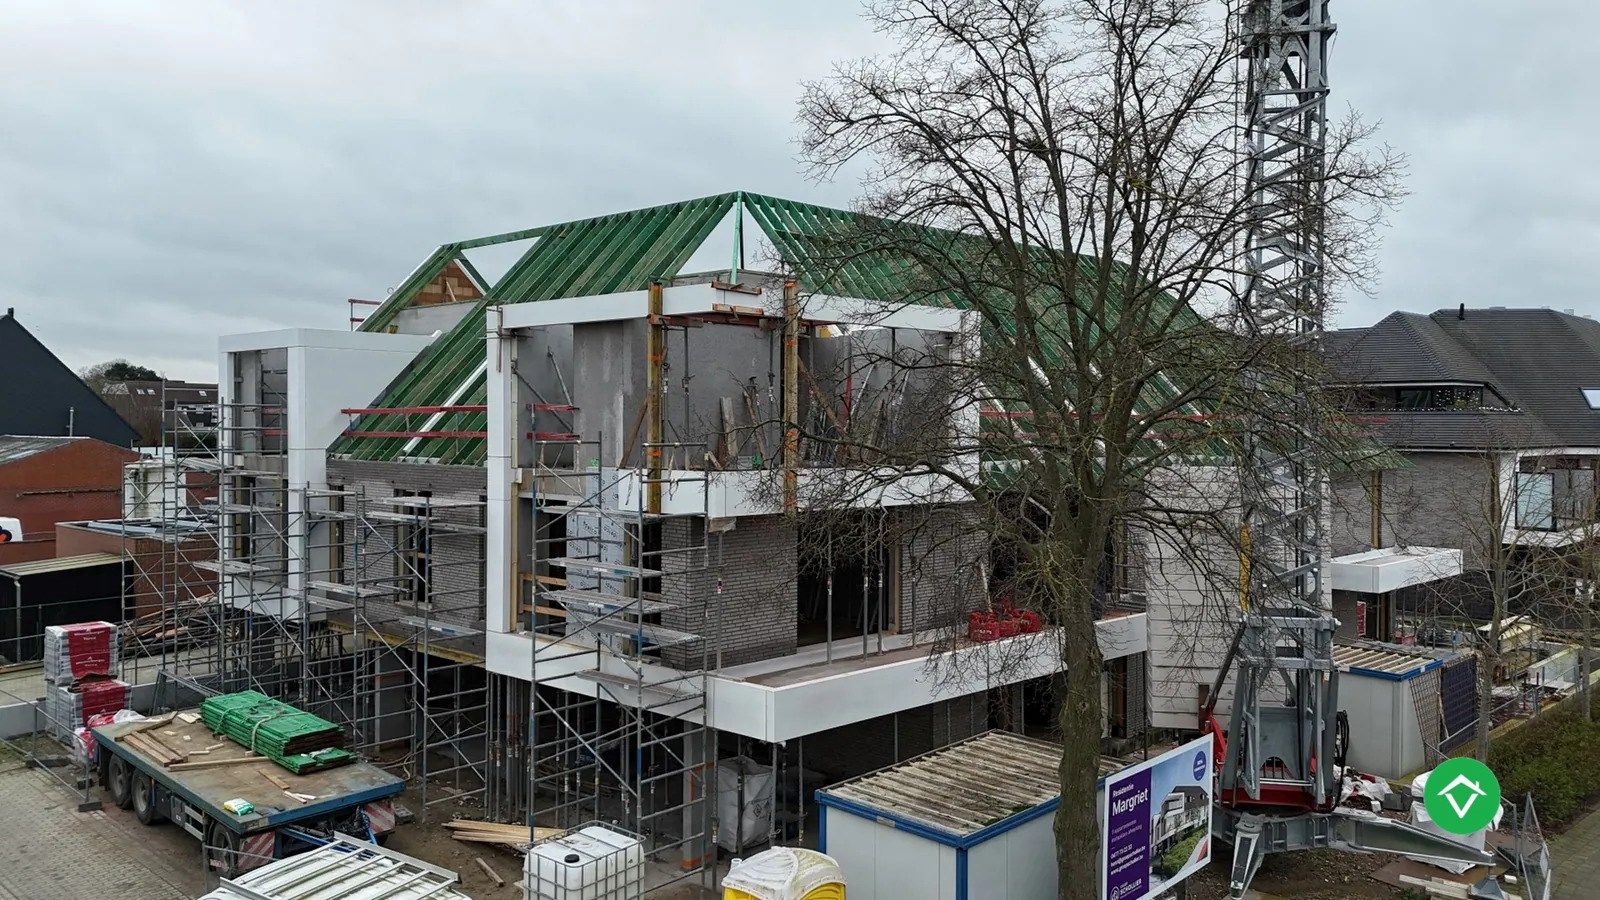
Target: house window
x=1535 y=500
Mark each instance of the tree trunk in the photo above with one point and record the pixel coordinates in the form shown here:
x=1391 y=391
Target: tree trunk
x=1480 y=733
x=1077 y=825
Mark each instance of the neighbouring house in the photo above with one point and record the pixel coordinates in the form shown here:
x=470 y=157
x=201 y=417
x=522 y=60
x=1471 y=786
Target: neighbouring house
x=1494 y=415
x=150 y=406
x=46 y=480
x=40 y=395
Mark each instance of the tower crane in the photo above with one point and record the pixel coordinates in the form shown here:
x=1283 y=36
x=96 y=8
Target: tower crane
x=1278 y=787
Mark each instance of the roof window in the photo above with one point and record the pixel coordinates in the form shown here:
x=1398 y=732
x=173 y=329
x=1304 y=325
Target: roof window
x=1591 y=396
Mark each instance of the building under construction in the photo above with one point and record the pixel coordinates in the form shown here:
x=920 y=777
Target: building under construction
x=551 y=545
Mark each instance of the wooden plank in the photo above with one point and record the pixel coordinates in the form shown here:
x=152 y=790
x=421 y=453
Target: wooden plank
x=487 y=870
x=215 y=763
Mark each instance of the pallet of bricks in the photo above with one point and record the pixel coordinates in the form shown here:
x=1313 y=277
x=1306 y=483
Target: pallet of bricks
x=81 y=664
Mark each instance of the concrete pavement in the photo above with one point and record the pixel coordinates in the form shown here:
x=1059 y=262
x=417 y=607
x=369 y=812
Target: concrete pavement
x=50 y=851
x=1576 y=857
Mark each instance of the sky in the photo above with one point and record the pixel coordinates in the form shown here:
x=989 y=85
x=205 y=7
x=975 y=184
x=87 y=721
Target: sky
x=171 y=172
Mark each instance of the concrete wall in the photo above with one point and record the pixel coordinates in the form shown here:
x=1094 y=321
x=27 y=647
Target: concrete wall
x=429 y=319
x=608 y=384
x=743 y=363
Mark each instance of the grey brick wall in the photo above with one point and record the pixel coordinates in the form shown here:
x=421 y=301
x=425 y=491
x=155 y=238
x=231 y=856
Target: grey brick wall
x=1437 y=502
x=457 y=559
x=1138 y=694
x=1350 y=514
x=943 y=558
x=862 y=747
x=754 y=615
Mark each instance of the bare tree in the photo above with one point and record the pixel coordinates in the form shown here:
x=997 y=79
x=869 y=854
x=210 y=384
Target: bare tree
x=1068 y=172
x=1519 y=568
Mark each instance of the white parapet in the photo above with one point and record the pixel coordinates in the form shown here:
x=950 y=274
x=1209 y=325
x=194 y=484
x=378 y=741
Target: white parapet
x=778 y=699
x=1392 y=568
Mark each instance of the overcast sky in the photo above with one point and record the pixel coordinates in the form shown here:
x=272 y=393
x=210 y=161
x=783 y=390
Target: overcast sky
x=170 y=172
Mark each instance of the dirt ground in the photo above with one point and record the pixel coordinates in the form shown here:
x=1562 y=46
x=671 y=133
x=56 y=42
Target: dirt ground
x=1316 y=875
x=432 y=842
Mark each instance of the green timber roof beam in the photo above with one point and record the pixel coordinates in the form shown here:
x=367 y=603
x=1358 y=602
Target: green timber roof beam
x=587 y=257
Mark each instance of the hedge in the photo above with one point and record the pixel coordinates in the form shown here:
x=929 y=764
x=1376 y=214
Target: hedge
x=1554 y=757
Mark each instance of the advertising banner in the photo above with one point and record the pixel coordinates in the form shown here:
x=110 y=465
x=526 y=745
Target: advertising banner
x=1155 y=822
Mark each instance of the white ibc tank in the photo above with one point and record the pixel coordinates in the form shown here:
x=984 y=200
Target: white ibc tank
x=590 y=863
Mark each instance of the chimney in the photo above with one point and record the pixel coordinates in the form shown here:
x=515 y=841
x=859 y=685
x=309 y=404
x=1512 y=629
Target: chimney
x=1461 y=313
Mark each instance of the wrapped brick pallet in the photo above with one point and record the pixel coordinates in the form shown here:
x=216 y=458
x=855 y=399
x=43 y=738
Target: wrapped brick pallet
x=73 y=653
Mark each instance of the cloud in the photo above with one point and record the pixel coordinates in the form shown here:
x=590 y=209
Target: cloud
x=176 y=171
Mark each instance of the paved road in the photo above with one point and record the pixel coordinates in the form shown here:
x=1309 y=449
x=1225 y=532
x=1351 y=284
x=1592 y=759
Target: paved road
x=1576 y=857
x=50 y=851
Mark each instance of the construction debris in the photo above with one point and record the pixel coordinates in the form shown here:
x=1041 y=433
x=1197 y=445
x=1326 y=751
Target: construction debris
x=489 y=870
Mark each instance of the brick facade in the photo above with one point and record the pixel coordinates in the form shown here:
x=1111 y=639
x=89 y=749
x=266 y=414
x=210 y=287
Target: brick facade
x=76 y=480
x=942 y=561
x=1437 y=502
x=758 y=564
x=457 y=560
x=872 y=744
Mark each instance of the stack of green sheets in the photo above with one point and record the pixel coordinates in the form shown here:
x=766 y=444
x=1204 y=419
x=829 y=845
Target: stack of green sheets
x=295 y=740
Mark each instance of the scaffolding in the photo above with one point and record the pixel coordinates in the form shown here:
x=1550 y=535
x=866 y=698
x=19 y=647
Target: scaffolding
x=361 y=609
x=618 y=605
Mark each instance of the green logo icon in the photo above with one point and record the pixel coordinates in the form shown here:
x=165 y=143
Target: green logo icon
x=1461 y=796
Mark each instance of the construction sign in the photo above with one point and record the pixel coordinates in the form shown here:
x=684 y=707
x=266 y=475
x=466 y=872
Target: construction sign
x=1155 y=822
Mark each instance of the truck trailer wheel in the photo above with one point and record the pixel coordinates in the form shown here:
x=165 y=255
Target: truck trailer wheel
x=144 y=799
x=222 y=850
x=117 y=782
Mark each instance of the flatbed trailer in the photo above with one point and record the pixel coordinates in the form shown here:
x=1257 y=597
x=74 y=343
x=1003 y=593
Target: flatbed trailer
x=356 y=798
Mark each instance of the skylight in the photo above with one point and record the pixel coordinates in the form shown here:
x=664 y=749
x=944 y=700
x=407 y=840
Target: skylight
x=1592 y=397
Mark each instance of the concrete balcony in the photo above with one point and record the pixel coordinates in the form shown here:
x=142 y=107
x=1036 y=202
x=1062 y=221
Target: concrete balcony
x=806 y=692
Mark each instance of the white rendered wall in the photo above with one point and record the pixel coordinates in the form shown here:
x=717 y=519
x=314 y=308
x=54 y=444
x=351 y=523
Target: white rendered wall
x=854 y=694
x=328 y=371
x=881 y=862
x=1017 y=865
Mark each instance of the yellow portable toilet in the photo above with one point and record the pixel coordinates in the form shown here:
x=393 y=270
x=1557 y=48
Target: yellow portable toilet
x=784 y=873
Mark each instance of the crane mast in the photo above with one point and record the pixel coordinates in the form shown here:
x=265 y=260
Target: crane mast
x=1280 y=769
x=1278 y=788
x=1278 y=752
